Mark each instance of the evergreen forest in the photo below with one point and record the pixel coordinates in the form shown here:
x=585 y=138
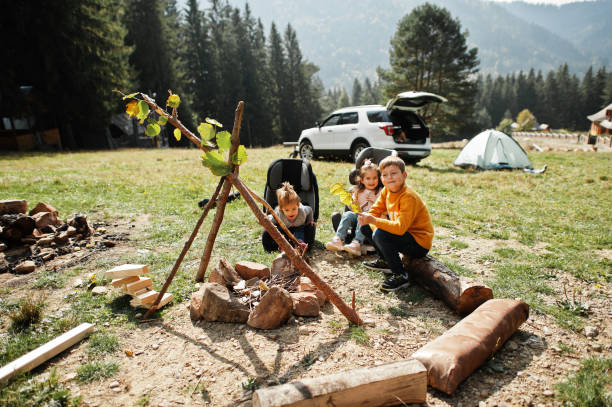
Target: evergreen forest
x=62 y=65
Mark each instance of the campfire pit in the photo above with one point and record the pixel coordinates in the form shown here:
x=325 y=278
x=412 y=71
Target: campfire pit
x=252 y=293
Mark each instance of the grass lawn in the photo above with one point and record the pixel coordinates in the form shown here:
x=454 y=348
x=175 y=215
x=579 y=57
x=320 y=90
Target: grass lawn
x=556 y=224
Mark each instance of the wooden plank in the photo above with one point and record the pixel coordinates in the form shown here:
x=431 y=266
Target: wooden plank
x=127 y=270
x=118 y=282
x=45 y=352
x=148 y=297
x=165 y=300
x=396 y=383
x=143 y=282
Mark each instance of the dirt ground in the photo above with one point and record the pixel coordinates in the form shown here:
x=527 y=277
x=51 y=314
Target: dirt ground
x=178 y=363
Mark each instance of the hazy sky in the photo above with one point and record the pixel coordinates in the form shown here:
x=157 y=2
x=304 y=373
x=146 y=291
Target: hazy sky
x=557 y=2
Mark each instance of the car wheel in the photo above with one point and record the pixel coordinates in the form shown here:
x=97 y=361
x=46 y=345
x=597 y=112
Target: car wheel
x=306 y=150
x=357 y=149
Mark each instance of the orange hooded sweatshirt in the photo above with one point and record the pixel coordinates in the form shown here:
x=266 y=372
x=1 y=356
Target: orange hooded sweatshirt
x=407 y=213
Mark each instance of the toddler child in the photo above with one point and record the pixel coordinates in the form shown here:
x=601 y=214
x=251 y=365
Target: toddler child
x=365 y=194
x=408 y=230
x=296 y=217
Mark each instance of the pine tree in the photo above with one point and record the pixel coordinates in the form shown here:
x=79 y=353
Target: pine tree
x=343 y=100
x=73 y=55
x=357 y=92
x=151 y=58
x=277 y=62
x=429 y=52
x=370 y=94
x=197 y=56
x=602 y=80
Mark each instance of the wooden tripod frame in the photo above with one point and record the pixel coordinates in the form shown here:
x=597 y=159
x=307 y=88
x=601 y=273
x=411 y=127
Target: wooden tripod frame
x=220 y=197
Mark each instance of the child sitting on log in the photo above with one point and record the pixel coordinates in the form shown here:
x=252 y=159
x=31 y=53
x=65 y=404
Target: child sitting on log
x=296 y=217
x=408 y=230
x=365 y=194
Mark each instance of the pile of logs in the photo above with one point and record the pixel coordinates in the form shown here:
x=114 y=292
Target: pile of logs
x=254 y=294
x=29 y=239
x=128 y=278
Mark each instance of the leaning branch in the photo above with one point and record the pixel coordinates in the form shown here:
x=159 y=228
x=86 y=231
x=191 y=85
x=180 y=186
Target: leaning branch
x=173 y=120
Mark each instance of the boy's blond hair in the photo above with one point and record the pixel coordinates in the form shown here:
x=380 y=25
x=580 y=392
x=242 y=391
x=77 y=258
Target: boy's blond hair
x=286 y=195
x=392 y=160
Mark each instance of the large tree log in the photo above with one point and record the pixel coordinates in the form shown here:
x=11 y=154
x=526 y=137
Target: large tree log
x=454 y=355
x=391 y=384
x=462 y=294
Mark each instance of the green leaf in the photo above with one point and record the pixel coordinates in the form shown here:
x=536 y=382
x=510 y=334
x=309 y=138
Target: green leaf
x=152 y=130
x=224 y=140
x=215 y=162
x=207 y=132
x=173 y=101
x=177 y=134
x=131 y=95
x=162 y=120
x=213 y=122
x=240 y=156
x=143 y=111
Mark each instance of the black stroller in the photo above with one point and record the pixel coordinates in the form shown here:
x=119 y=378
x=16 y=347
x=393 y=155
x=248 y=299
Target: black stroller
x=299 y=174
x=375 y=155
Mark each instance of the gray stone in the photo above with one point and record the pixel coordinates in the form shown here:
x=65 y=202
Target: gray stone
x=272 y=311
x=99 y=290
x=213 y=302
x=590 y=331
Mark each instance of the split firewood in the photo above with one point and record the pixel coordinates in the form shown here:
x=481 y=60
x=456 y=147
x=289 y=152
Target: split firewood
x=127 y=270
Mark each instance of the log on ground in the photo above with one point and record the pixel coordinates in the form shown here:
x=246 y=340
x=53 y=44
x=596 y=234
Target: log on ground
x=462 y=294
x=383 y=385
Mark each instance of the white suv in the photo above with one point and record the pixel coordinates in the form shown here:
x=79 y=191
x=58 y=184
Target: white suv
x=395 y=126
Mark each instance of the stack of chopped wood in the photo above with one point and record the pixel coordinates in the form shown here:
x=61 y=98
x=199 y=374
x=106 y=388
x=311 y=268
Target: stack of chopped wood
x=127 y=277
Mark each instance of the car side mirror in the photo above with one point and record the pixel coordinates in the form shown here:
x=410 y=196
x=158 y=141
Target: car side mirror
x=318 y=123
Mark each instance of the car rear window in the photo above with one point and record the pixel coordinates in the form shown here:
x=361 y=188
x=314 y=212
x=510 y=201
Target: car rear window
x=378 y=116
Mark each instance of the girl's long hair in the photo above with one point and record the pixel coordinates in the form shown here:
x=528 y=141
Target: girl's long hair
x=367 y=166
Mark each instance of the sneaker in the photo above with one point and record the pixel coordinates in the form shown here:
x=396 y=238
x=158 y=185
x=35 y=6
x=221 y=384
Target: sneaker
x=395 y=282
x=335 y=245
x=378 y=265
x=353 y=248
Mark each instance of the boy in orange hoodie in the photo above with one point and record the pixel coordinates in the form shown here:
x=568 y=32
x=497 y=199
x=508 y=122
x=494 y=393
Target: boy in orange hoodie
x=408 y=230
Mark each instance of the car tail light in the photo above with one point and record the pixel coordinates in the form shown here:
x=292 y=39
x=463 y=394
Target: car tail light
x=388 y=129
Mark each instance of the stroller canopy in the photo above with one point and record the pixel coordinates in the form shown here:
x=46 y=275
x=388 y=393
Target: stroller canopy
x=492 y=150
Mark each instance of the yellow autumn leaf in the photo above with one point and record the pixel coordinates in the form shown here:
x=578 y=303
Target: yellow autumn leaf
x=132 y=108
x=345 y=196
x=177 y=134
x=131 y=95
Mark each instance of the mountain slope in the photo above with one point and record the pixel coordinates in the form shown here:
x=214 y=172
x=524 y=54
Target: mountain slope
x=349 y=39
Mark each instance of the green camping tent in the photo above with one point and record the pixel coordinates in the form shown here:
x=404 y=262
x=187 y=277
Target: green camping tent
x=492 y=150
